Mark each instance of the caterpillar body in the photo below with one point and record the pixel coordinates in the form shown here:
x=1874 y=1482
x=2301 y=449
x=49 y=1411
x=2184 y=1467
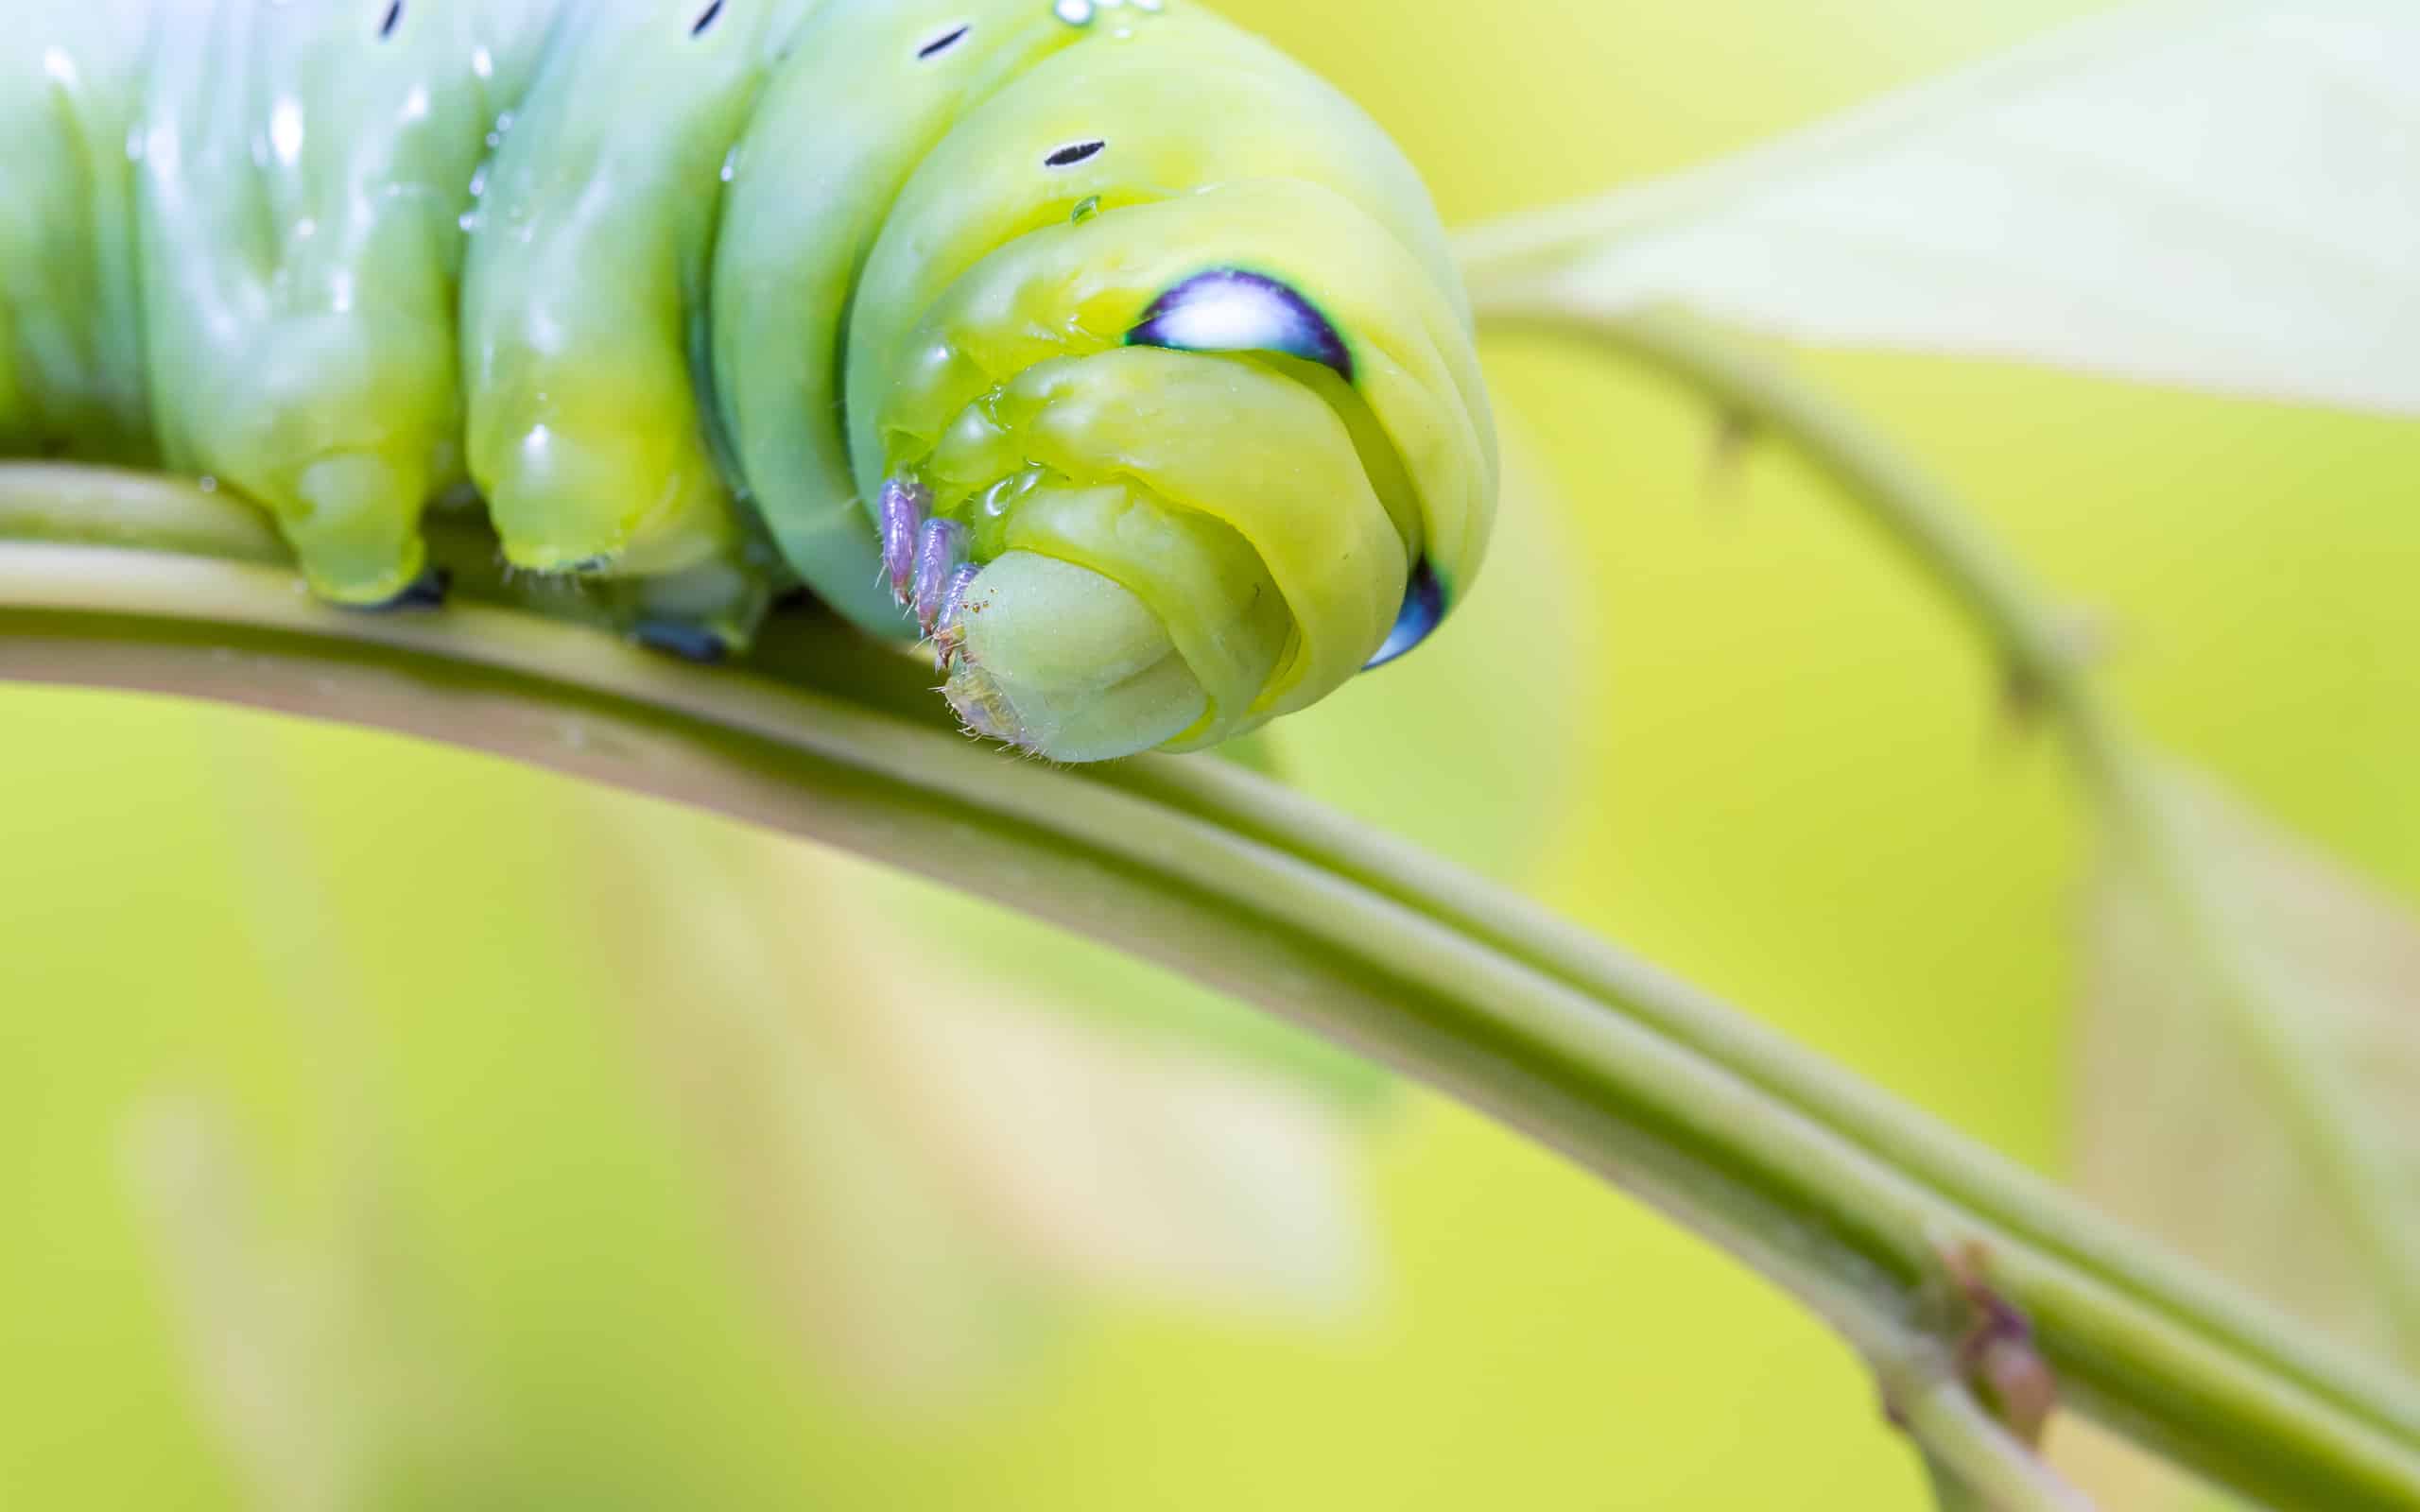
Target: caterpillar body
x=1097 y=342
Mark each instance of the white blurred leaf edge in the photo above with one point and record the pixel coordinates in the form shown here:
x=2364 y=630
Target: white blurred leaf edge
x=2212 y=193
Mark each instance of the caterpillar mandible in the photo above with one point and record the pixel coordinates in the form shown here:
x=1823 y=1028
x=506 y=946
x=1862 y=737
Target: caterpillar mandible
x=1093 y=340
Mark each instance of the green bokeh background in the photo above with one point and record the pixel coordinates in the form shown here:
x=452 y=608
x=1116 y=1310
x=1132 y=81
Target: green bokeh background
x=1697 y=711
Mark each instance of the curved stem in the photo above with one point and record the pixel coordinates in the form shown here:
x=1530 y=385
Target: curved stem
x=1916 y=512
x=2046 y=672
x=1975 y=1461
x=1234 y=881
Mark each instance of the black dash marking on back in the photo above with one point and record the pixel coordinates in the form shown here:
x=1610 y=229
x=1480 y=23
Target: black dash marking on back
x=1073 y=153
x=394 y=18
x=706 y=18
x=943 y=43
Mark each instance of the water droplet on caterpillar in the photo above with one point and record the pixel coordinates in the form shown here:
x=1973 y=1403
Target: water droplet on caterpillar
x=995 y=500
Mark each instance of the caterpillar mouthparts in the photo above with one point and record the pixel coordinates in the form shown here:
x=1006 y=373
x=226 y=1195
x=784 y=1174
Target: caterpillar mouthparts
x=1059 y=662
x=1039 y=653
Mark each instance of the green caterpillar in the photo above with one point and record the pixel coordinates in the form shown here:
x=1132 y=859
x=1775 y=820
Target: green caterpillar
x=1096 y=342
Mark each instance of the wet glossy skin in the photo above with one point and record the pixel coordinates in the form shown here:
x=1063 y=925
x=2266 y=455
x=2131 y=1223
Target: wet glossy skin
x=1151 y=341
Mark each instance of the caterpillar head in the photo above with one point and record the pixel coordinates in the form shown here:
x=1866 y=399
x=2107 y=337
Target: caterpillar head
x=1141 y=347
x=1144 y=489
x=1187 y=428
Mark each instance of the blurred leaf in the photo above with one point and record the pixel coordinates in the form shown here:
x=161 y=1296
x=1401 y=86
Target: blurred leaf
x=1047 y=970
x=322 y=1356
x=1475 y=747
x=2179 y=1126
x=1133 y=1169
x=314 y=1366
x=1949 y=1493
x=864 y=1244
x=2122 y=1476
x=2215 y=195
x=931 y=1164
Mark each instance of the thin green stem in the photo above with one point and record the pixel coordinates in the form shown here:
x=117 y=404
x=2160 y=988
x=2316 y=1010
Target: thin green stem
x=2047 y=672
x=1976 y=1462
x=1663 y=1091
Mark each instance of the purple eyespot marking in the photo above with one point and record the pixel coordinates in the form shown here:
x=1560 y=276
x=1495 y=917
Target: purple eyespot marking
x=1229 y=309
x=1424 y=606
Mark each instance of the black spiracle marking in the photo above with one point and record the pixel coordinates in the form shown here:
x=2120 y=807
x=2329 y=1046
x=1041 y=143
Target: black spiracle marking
x=1424 y=606
x=1073 y=153
x=1233 y=309
x=394 y=18
x=943 y=43
x=707 y=18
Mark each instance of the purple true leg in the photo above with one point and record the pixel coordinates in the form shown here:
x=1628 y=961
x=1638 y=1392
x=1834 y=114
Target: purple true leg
x=905 y=504
x=946 y=633
x=938 y=554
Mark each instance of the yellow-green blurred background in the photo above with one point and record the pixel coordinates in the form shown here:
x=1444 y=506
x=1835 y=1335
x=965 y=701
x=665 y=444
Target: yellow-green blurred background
x=1697 y=709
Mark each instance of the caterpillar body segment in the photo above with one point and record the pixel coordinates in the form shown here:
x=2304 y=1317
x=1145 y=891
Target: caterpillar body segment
x=71 y=368
x=1099 y=344
x=831 y=143
x=301 y=175
x=584 y=303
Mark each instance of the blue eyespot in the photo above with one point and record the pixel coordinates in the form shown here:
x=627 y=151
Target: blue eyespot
x=1424 y=606
x=1228 y=309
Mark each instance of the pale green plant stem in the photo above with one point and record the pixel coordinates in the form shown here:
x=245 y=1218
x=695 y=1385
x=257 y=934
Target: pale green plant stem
x=1976 y=1462
x=1826 y=1187
x=2050 y=671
